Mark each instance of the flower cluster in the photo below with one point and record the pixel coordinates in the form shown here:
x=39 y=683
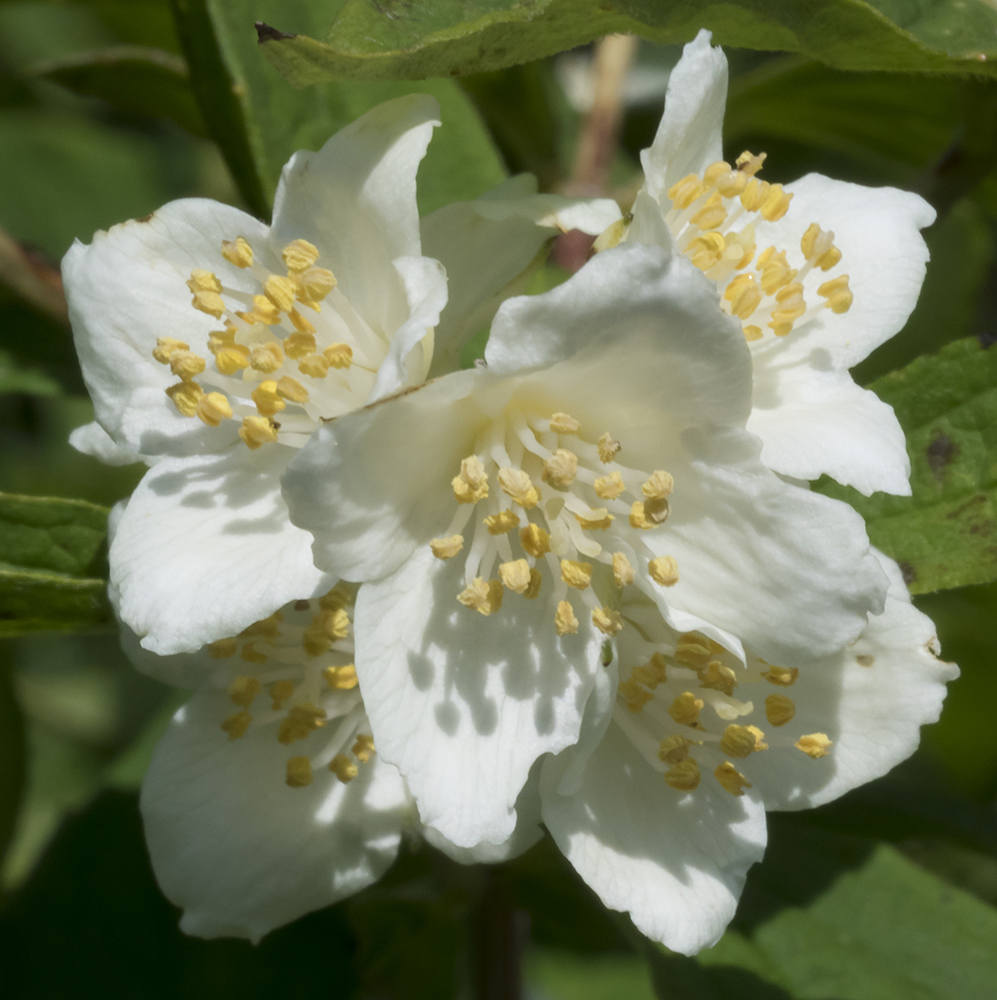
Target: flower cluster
x=584 y=584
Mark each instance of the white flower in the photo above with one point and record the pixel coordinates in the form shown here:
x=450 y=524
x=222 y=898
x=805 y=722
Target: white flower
x=661 y=806
x=213 y=345
x=499 y=512
x=819 y=272
x=266 y=798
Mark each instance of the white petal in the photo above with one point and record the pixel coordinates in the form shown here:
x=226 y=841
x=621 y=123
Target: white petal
x=785 y=570
x=205 y=548
x=126 y=289
x=675 y=862
x=813 y=422
x=883 y=253
x=355 y=200
x=238 y=849
x=689 y=137
x=873 y=713
x=461 y=704
x=648 y=225
x=488 y=246
x=92 y=439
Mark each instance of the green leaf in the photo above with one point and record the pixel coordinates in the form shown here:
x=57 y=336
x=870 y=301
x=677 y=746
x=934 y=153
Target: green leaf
x=945 y=534
x=395 y=39
x=12 y=751
x=132 y=78
x=49 y=552
x=564 y=975
x=16 y=378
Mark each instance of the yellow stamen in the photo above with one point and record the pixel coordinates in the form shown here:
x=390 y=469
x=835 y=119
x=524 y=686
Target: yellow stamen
x=818 y=247
x=518 y=485
x=783 y=676
x=166 y=347
x=623 y=572
x=338 y=355
x=279 y=692
x=251 y=654
x=576 y=574
x=759 y=736
x=515 y=575
x=560 y=469
x=659 y=485
x=752 y=333
x=712 y=215
x=243 y=691
x=237 y=252
x=206 y=288
x=838 y=294
x=686 y=191
x=534 y=540
x=609 y=487
x=502 y=522
x=664 y=570
x=608 y=448
x=472 y=483
x=731 y=779
x=343 y=768
x=685 y=710
x=648 y=514
x=607 y=621
x=484 y=596
x=565 y=622
x=738 y=741
x=299 y=255
x=300 y=721
x=267 y=358
x=563 y=423
x=256 y=432
x=776 y=203
x=743 y=295
x=674 y=749
x=314 y=285
x=779 y=709
x=598 y=519
x=815 y=746
x=314 y=366
x=232 y=358
x=652 y=673
x=213 y=408
x=533 y=589
x=363 y=748
x=684 y=776
x=266 y=399
x=299 y=772
x=749 y=164
x=185 y=396
x=237 y=724
x=280 y=291
x=299 y=345
x=292 y=390
x=222 y=649
x=717 y=677
x=447 y=548
x=634 y=695
x=341 y=678
x=707 y=250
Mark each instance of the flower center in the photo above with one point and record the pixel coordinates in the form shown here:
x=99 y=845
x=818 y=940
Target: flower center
x=302 y=657
x=678 y=707
x=541 y=492
x=279 y=352
x=713 y=219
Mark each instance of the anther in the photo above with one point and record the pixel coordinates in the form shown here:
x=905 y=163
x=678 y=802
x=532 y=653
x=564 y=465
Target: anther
x=779 y=709
x=648 y=514
x=560 y=469
x=279 y=692
x=818 y=247
x=299 y=255
x=634 y=695
x=341 y=678
x=731 y=779
x=251 y=654
x=471 y=485
x=281 y=292
x=685 y=710
x=607 y=621
x=206 y=288
x=749 y=163
x=166 y=347
x=717 y=677
x=563 y=423
x=623 y=572
x=684 y=776
x=534 y=540
x=652 y=673
x=256 y=432
x=664 y=570
x=363 y=748
x=783 y=676
x=314 y=285
x=515 y=575
x=502 y=522
x=738 y=741
x=267 y=358
x=598 y=519
x=776 y=203
x=267 y=401
x=707 y=250
x=299 y=772
x=658 y=486
x=815 y=746
x=314 y=366
x=484 y=596
x=712 y=215
x=533 y=588
x=292 y=390
x=343 y=768
x=213 y=408
x=231 y=358
x=243 y=691
x=743 y=295
x=338 y=355
x=674 y=749
x=447 y=548
x=185 y=396
x=686 y=191
x=518 y=485
x=237 y=724
x=237 y=252
x=299 y=345
x=222 y=649
x=608 y=448
x=576 y=574
x=609 y=487
x=838 y=294
x=565 y=622
x=754 y=194
x=753 y=333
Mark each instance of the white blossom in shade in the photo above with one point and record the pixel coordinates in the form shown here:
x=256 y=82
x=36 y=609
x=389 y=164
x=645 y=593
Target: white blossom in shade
x=661 y=808
x=603 y=444
x=266 y=798
x=213 y=345
x=818 y=272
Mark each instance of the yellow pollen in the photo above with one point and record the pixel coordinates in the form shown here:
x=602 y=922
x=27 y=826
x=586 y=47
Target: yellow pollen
x=335 y=622
x=738 y=741
x=686 y=191
x=314 y=366
x=776 y=203
x=269 y=628
x=743 y=295
x=343 y=768
x=730 y=183
x=752 y=333
x=237 y=724
x=518 y=485
x=775 y=270
x=237 y=252
x=608 y=448
x=338 y=355
x=712 y=214
x=314 y=285
x=484 y=596
x=648 y=514
x=185 y=396
x=658 y=486
x=299 y=345
x=534 y=540
x=299 y=772
x=280 y=291
x=243 y=691
x=447 y=548
x=705 y=251
x=684 y=776
x=232 y=358
x=754 y=194
x=560 y=469
x=251 y=654
x=598 y=519
x=292 y=390
x=652 y=673
x=256 y=432
x=731 y=779
x=267 y=358
x=279 y=692
x=300 y=323
x=694 y=650
x=818 y=247
x=563 y=423
x=606 y=621
x=716 y=677
x=472 y=483
x=299 y=255
x=263 y=311
x=674 y=749
x=748 y=163
x=222 y=649
x=685 y=710
x=502 y=522
x=166 y=347
x=783 y=676
x=533 y=589
x=576 y=574
x=565 y=622
x=759 y=736
x=838 y=294
x=664 y=570
x=815 y=746
x=341 y=678
x=779 y=709
x=609 y=487
x=623 y=572
x=515 y=575
x=634 y=695
x=300 y=721
x=363 y=748
x=213 y=408
x=266 y=399
x=338 y=597
x=206 y=288
x=790 y=307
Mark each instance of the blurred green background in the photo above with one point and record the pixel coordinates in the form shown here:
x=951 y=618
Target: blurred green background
x=888 y=893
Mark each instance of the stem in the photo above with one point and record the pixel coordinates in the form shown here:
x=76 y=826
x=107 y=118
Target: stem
x=499 y=936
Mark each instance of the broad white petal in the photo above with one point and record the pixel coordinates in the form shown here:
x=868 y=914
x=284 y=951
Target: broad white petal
x=355 y=200
x=870 y=698
x=814 y=421
x=461 y=704
x=488 y=246
x=126 y=289
x=675 y=862
x=205 y=548
x=92 y=439
x=648 y=225
x=240 y=851
x=689 y=137
x=883 y=253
